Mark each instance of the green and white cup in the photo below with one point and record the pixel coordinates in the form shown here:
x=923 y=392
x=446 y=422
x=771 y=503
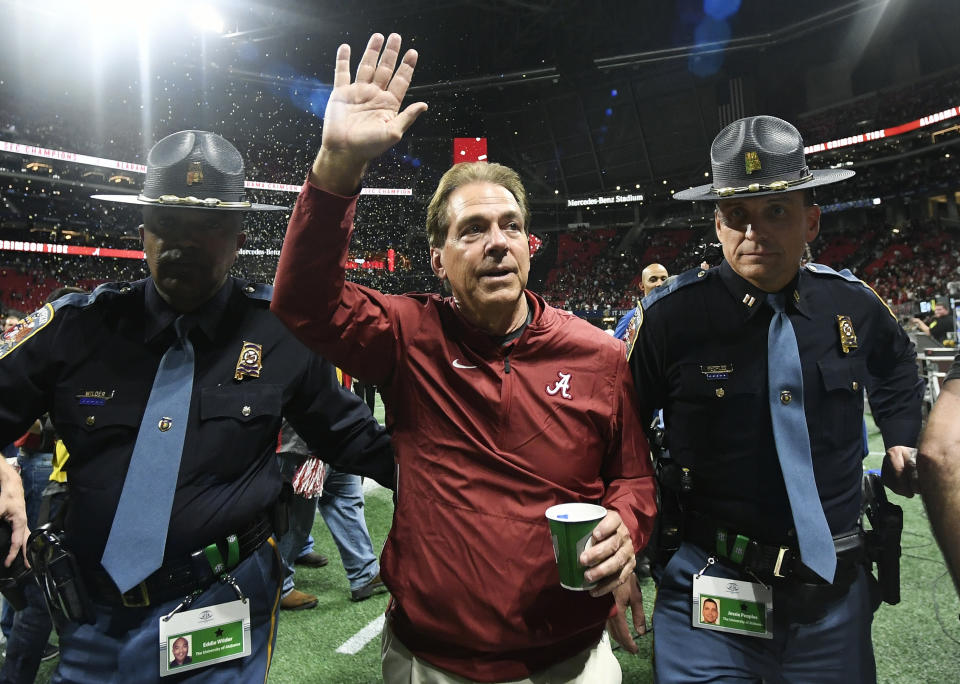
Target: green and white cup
x=571 y=526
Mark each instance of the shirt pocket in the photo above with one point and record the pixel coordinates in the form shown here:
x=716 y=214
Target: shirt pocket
x=839 y=409
x=243 y=403
x=238 y=427
x=93 y=428
x=89 y=413
x=715 y=401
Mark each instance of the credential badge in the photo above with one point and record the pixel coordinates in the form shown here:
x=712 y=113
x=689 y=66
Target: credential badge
x=250 y=361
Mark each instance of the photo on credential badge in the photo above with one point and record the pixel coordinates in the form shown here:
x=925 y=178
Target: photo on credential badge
x=709 y=610
x=728 y=612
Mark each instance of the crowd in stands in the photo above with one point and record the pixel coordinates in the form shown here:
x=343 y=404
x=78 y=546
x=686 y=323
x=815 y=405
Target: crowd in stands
x=594 y=271
x=890 y=107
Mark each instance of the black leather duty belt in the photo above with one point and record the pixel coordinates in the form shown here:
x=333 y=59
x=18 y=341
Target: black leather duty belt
x=176 y=578
x=772 y=562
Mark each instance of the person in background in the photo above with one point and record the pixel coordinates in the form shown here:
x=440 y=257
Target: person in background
x=940 y=327
x=653 y=276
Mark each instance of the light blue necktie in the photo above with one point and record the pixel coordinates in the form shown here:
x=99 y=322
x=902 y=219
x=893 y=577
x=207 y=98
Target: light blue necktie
x=138 y=535
x=785 y=378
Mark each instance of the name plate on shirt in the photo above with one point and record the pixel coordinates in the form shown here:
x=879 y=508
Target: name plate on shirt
x=205 y=636
x=726 y=605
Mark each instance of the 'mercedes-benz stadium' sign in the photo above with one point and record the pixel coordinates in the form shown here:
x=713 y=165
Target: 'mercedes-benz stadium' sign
x=612 y=199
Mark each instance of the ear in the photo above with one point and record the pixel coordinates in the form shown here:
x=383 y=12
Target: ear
x=241 y=239
x=716 y=223
x=436 y=262
x=813 y=223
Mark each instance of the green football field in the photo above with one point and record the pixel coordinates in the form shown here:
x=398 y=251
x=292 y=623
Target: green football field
x=338 y=642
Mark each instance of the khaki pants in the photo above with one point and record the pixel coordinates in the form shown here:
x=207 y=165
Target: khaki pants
x=595 y=665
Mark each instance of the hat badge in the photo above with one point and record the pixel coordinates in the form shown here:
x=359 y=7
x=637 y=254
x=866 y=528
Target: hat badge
x=751 y=160
x=195 y=173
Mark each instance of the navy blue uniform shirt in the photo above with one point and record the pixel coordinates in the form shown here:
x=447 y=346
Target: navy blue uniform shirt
x=90 y=361
x=701 y=355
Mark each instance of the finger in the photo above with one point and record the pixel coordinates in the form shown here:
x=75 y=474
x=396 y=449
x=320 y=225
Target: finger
x=639 y=617
x=896 y=477
x=388 y=61
x=611 y=573
x=341 y=72
x=604 y=545
x=607 y=586
x=607 y=526
x=16 y=544
x=405 y=119
x=619 y=632
x=401 y=80
x=368 y=63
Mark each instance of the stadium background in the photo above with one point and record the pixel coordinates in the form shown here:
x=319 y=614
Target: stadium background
x=604 y=108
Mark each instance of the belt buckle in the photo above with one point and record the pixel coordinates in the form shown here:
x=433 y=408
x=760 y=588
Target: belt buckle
x=137 y=597
x=781 y=556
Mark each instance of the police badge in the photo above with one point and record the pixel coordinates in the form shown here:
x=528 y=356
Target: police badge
x=250 y=361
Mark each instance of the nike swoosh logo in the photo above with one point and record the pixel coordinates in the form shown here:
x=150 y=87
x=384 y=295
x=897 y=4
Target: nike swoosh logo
x=457 y=364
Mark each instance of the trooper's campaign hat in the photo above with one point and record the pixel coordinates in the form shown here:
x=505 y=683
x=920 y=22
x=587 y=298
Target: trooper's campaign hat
x=759 y=155
x=193 y=170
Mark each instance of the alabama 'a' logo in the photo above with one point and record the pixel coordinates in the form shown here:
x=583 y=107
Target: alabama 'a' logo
x=562 y=386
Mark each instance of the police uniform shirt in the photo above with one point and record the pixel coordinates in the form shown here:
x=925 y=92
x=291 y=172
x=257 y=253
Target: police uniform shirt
x=701 y=354
x=90 y=360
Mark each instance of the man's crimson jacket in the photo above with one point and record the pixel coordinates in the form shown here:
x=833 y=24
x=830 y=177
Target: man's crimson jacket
x=487 y=437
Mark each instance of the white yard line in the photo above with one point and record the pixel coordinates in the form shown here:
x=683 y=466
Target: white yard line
x=353 y=645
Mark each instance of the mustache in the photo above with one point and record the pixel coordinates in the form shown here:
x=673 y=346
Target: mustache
x=178 y=255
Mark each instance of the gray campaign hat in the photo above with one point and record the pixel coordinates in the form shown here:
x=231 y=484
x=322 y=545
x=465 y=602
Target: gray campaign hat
x=759 y=155
x=194 y=170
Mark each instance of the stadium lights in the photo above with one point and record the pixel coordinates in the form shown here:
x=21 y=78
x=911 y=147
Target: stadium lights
x=206 y=18
x=110 y=18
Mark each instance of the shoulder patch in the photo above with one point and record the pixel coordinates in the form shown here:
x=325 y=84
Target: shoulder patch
x=633 y=329
x=694 y=275
x=820 y=269
x=259 y=291
x=25 y=329
x=41 y=318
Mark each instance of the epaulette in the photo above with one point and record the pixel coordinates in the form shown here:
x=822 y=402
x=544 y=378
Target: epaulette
x=672 y=285
x=820 y=269
x=82 y=300
x=259 y=291
x=694 y=275
x=33 y=323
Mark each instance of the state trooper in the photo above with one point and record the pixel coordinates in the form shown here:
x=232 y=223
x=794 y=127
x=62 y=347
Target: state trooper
x=760 y=367
x=168 y=393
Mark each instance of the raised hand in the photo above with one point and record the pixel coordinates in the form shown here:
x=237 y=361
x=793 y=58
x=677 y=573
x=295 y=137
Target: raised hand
x=363 y=118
